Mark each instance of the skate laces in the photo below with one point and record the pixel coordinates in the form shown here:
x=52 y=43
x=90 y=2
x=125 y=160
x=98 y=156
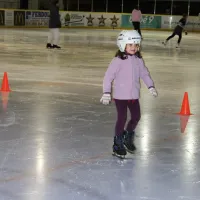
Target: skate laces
x=129 y=137
x=119 y=141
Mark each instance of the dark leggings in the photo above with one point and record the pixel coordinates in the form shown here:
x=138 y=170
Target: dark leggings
x=173 y=34
x=121 y=106
x=136 y=26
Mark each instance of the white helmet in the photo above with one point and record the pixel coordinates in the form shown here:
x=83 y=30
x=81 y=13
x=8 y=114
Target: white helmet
x=128 y=37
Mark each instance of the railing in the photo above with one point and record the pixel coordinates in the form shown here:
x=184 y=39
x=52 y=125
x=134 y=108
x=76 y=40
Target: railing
x=168 y=7
x=40 y=19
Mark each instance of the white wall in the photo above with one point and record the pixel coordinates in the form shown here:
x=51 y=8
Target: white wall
x=10 y=4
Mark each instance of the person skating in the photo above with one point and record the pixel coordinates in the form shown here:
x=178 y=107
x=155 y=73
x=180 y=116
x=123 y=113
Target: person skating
x=178 y=30
x=125 y=70
x=136 y=18
x=54 y=25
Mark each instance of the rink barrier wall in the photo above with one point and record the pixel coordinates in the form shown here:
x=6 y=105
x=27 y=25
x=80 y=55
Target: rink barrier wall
x=40 y=19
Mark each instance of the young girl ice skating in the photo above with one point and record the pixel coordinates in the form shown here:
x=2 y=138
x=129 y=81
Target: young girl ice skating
x=178 y=30
x=54 y=25
x=125 y=70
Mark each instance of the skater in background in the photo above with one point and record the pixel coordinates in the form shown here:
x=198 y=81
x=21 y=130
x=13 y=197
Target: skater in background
x=136 y=18
x=178 y=30
x=126 y=69
x=54 y=25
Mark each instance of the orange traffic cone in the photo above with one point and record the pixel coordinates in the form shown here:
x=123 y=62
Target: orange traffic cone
x=185 y=108
x=5 y=85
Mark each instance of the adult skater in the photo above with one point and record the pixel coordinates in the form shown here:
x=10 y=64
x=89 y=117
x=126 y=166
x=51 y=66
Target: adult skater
x=136 y=18
x=125 y=70
x=54 y=25
x=178 y=30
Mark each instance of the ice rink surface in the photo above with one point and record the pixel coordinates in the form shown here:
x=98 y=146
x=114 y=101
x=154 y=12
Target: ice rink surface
x=56 y=138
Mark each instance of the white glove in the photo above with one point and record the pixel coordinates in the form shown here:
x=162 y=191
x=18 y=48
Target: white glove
x=153 y=92
x=105 y=99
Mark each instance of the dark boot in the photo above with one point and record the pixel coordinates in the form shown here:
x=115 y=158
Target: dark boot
x=56 y=46
x=129 y=141
x=49 y=46
x=118 y=146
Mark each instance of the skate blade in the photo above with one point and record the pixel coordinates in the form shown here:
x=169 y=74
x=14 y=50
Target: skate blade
x=119 y=156
x=131 y=152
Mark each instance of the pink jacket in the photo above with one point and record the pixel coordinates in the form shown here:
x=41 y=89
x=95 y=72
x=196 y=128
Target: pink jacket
x=136 y=15
x=126 y=75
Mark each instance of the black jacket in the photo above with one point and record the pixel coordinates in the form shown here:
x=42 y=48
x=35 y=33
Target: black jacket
x=179 y=28
x=54 y=18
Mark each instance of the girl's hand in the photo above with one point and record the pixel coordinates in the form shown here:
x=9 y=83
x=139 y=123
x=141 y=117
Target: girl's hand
x=105 y=99
x=153 y=91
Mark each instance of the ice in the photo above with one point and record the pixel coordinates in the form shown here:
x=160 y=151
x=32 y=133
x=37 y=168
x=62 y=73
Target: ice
x=56 y=138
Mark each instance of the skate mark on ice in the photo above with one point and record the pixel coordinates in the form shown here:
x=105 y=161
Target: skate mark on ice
x=52 y=169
